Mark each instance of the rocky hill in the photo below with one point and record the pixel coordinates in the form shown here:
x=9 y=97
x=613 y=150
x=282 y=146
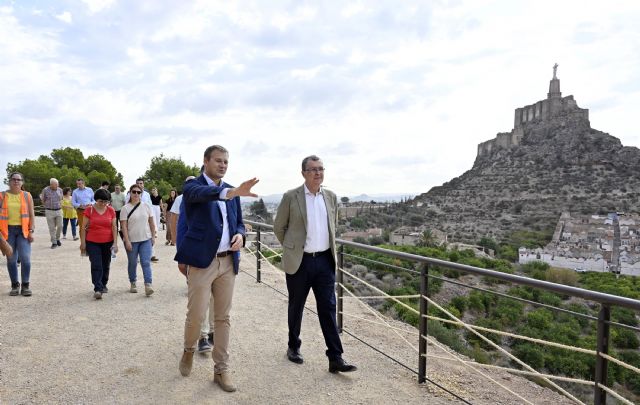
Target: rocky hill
x=552 y=161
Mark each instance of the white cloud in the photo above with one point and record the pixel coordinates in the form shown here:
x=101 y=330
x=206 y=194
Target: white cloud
x=394 y=96
x=65 y=17
x=96 y=6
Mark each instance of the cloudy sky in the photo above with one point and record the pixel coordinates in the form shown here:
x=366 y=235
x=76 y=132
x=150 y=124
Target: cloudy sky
x=393 y=95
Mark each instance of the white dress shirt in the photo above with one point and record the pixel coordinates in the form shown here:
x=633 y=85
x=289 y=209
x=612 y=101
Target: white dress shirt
x=317 y=222
x=225 y=239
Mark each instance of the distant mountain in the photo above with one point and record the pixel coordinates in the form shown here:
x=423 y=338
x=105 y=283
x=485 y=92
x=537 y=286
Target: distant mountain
x=381 y=197
x=552 y=161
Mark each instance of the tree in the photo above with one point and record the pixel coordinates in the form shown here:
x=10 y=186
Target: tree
x=259 y=209
x=66 y=165
x=167 y=173
x=427 y=239
x=69 y=157
x=344 y=200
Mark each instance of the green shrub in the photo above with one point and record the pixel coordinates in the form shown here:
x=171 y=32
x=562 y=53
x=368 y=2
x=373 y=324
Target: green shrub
x=530 y=354
x=460 y=302
x=624 y=338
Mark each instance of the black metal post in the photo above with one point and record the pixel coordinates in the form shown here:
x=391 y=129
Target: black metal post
x=340 y=280
x=422 y=326
x=258 y=261
x=600 y=396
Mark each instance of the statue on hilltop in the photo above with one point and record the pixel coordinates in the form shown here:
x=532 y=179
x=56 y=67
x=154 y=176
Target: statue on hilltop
x=555 y=69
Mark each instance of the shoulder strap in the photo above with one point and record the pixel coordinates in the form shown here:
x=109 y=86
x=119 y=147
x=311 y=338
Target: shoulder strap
x=132 y=211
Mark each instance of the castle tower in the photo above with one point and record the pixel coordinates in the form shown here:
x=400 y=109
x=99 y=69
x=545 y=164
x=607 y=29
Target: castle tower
x=554 y=96
x=554 y=85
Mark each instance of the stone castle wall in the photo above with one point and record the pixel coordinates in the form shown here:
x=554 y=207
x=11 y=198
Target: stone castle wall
x=543 y=110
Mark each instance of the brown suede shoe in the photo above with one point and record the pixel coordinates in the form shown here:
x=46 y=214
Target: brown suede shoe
x=186 y=362
x=224 y=381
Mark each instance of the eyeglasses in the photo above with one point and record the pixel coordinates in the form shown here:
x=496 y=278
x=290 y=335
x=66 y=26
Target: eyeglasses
x=136 y=192
x=102 y=201
x=14 y=179
x=315 y=169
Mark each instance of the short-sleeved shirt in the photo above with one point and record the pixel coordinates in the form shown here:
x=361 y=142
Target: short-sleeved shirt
x=67 y=209
x=138 y=223
x=175 y=208
x=117 y=201
x=100 y=230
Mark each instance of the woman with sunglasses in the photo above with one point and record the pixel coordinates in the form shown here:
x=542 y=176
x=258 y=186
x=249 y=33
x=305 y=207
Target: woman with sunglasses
x=98 y=239
x=17 y=220
x=139 y=233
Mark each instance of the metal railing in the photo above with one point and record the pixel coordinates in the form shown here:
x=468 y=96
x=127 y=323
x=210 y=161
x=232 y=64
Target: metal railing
x=606 y=302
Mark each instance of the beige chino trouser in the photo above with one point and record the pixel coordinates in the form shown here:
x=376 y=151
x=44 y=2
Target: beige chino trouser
x=218 y=280
x=54 y=222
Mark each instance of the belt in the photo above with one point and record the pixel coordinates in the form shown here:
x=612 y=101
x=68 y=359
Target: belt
x=53 y=209
x=316 y=254
x=224 y=254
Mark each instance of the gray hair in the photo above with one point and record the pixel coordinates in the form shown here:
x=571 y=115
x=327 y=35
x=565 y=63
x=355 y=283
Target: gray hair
x=53 y=180
x=308 y=158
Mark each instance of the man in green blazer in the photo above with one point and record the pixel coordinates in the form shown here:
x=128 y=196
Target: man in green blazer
x=305 y=225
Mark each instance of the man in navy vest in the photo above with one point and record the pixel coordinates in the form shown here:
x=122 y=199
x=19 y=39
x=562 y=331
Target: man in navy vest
x=211 y=250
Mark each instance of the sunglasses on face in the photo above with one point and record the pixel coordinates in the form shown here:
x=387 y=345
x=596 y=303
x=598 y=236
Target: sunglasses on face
x=136 y=192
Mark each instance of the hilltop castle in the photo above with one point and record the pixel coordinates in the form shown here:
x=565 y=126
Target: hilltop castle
x=542 y=111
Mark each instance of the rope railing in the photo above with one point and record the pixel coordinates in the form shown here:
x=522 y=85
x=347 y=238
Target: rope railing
x=478 y=334
x=603 y=321
x=353 y=335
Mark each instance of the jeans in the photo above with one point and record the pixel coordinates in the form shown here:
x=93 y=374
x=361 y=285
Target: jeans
x=65 y=223
x=21 y=247
x=142 y=249
x=100 y=257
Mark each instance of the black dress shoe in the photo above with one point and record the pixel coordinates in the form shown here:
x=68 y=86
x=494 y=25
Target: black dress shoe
x=294 y=356
x=339 y=365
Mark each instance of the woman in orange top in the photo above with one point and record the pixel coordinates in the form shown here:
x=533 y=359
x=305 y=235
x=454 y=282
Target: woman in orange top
x=17 y=220
x=98 y=239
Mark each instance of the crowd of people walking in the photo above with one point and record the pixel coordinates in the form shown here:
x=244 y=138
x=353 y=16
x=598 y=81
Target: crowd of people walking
x=94 y=218
x=205 y=223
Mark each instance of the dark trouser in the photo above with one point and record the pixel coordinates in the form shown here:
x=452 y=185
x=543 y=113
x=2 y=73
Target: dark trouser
x=118 y=220
x=100 y=257
x=317 y=273
x=65 y=224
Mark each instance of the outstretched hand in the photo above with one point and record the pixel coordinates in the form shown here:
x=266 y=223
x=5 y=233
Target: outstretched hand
x=244 y=189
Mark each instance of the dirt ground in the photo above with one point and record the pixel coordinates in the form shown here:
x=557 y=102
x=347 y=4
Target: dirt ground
x=62 y=346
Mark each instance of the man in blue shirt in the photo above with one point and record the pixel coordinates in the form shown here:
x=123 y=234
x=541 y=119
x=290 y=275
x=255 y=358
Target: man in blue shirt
x=81 y=198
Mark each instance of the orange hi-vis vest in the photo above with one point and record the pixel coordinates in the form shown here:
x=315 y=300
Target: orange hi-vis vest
x=26 y=202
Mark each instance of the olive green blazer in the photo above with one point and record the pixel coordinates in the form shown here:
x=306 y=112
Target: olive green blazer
x=290 y=226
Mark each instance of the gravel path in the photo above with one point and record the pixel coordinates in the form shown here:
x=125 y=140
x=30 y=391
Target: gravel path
x=62 y=346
